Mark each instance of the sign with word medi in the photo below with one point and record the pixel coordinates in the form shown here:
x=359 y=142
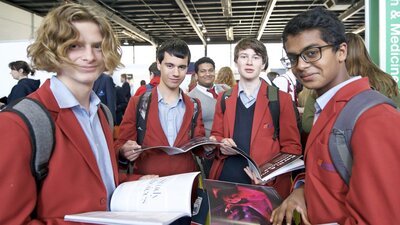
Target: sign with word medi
x=390 y=37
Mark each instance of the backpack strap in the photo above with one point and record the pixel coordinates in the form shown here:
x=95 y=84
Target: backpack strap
x=41 y=131
x=141 y=116
x=225 y=95
x=195 y=115
x=108 y=114
x=340 y=137
x=149 y=87
x=274 y=108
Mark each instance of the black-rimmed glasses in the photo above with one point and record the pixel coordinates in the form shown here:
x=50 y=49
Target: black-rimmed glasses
x=309 y=55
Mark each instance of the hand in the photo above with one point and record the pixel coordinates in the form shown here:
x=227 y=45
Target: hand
x=295 y=201
x=226 y=149
x=130 y=150
x=252 y=176
x=147 y=177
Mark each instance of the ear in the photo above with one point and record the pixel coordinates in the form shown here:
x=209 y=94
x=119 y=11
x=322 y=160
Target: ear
x=196 y=76
x=21 y=71
x=342 y=52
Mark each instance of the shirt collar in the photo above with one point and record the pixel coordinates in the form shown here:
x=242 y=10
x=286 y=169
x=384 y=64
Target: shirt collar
x=64 y=97
x=161 y=98
x=323 y=100
x=252 y=95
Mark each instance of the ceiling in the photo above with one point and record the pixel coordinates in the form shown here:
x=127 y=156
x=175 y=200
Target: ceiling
x=145 y=22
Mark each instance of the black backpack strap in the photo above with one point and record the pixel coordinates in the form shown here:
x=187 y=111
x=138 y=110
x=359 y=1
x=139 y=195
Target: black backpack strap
x=41 y=131
x=225 y=95
x=194 y=116
x=141 y=116
x=340 y=137
x=108 y=114
x=274 y=108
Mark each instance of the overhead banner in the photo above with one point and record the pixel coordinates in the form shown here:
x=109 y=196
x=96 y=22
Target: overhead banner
x=390 y=34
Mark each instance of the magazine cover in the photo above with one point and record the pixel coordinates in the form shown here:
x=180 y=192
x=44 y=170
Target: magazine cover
x=234 y=203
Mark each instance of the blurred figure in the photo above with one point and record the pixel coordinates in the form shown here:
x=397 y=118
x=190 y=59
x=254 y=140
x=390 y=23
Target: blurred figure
x=154 y=80
x=225 y=76
x=359 y=62
x=20 y=71
x=193 y=82
x=272 y=75
x=126 y=87
x=142 y=82
x=104 y=87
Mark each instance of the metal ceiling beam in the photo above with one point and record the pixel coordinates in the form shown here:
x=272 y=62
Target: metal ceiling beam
x=191 y=20
x=226 y=8
x=267 y=14
x=352 y=10
x=116 y=19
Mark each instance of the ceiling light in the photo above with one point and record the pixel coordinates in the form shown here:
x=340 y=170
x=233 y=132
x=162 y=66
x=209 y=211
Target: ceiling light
x=204 y=30
x=229 y=33
x=226 y=8
x=208 y=39
x=126 y=42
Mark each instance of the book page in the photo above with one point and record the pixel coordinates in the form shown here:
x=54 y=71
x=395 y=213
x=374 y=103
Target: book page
x=251 y=163
x=281 y=163
x=188 y=146
x=128 y=218
x=235 y=203
x=169 y=194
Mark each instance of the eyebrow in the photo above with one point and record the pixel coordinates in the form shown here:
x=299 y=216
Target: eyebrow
x=307 y=47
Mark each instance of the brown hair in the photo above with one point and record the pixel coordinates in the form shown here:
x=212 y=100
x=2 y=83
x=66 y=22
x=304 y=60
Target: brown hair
x=252 y=43
x=57 y=33
x=225 y=76
x=359 y=62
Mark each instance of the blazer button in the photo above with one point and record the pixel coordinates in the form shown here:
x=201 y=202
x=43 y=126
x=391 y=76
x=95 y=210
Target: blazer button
x=103 y=201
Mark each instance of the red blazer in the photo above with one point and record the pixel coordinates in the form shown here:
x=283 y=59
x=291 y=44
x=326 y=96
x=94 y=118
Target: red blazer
x=262 y=146
x=74 y=183
x=373 y=195
x=156 y=161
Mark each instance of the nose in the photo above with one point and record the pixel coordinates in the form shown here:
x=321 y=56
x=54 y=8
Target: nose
x=249 y=61
x=301 y=64
x=88 y=54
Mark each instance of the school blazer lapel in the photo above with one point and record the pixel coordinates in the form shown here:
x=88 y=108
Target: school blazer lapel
x=230 y=112
x=260 y=111
x=72 y=130
x=185 y=128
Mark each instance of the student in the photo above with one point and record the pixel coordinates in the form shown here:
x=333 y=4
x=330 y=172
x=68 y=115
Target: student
x=104 y=87
x=154 y=80
x=225 y=76
x=169 y=116
x=20 y=71
x=247 y=122
x=316 y=50
x=78 y=45
x=206 y=91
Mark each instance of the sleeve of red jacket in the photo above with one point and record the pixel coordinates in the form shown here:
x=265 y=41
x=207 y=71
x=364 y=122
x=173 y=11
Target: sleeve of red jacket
x=17 y=186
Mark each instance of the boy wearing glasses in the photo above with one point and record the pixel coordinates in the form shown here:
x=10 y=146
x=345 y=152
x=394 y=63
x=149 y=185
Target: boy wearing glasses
x=316 y=52
x=247 y=121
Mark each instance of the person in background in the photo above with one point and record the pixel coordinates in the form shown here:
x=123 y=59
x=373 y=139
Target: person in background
x=77 y=44
x=316 y=48
x=193 y=82
x=247 y=121
x=272 y=75
x=169 y=116
x=142 y=82
x=287 y=83
x=20 y=71
x=359 y=62
x=104 y=87
x=205 y=90
x=154 y=80
x=225 y=76
x=126 y=87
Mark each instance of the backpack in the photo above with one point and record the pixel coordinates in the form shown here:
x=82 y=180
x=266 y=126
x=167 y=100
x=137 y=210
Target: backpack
x=274 y=108
x=40 y=124
x=340 y=137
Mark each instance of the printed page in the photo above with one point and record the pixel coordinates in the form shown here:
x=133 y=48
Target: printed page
x=128 y=218
x=281 y=163
x=235 y=203
x=163 y=194
x=191 y=144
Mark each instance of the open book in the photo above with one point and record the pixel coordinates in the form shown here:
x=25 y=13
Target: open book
x=235 y=203
x=155 y=201
x=191 y=144
x=279 y=164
